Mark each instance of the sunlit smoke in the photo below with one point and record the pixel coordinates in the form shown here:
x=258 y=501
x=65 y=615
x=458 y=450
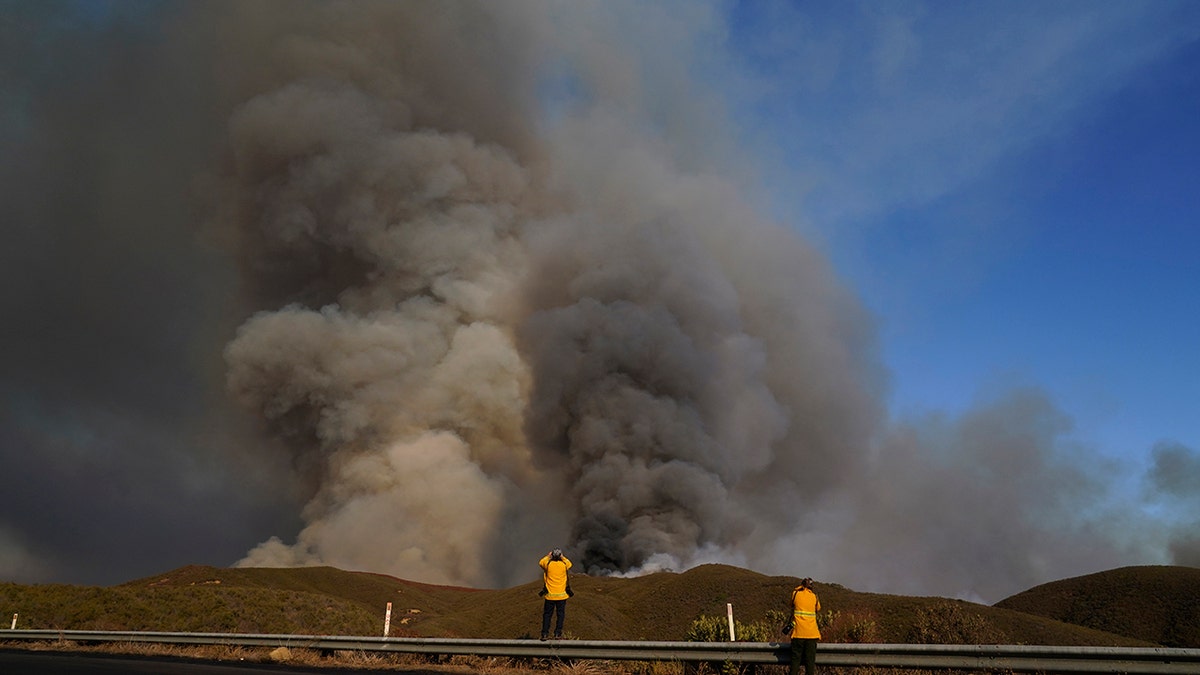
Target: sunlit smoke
x=577 y=320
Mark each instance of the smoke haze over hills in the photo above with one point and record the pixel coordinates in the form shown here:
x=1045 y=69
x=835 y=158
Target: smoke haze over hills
x=481 y=279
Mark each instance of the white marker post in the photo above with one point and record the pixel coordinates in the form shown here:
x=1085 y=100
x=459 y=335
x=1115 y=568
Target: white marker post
x=729 y=611
x=387 y=620
x=14 y=626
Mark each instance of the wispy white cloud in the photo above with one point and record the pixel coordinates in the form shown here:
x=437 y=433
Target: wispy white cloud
x=884 y=106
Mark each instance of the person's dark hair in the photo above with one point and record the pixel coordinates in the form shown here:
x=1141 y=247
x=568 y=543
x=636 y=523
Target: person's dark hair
x=806 y=582
x=556 y=554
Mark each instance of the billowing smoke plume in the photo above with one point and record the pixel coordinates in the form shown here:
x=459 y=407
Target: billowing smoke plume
x=501 y=309
x=494 y=336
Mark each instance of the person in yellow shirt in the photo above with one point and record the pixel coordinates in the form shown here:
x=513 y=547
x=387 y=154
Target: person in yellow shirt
x=804 y=631
x=555 y=590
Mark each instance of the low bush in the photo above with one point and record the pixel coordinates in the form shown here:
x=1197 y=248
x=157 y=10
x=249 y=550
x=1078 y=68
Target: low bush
x=948 y=623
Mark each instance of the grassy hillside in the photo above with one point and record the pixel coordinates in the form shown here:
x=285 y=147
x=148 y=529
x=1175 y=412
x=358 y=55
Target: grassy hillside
x=662 y=606
x=1157 y=604
x=199 y=609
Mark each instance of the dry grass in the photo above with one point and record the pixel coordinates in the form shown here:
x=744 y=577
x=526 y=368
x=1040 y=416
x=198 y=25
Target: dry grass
x=358 y=660
x=1158 y=604
x=662 y=606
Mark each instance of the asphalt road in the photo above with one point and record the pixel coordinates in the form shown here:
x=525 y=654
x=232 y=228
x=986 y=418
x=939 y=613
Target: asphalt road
x=17 y=662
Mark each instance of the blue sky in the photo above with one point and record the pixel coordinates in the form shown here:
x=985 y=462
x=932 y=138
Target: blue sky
x=1012 y=188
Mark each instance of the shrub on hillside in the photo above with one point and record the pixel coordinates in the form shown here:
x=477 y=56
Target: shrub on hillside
x=846 y=626
x=716 y=629
x=947 y=623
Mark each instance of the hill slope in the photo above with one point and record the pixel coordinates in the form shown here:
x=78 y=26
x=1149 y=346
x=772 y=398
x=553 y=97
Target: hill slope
x=661 y=606
x=1159 y=604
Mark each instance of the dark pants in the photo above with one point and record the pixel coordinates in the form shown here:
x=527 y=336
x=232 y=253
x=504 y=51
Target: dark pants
x=804 y=650
x=549 y=607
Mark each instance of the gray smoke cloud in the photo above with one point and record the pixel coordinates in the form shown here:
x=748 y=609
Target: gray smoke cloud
x=993 y=500
x=1173 y=482
x=495 y=280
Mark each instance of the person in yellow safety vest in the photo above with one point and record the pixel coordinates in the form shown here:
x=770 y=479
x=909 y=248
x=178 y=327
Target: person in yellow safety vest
x=804 y=631
x=555 y=590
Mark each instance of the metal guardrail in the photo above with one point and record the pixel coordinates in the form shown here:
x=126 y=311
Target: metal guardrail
x=979 y=658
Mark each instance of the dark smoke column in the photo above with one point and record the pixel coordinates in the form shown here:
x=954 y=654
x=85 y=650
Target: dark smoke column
x=676 y=400
x=617 y=396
